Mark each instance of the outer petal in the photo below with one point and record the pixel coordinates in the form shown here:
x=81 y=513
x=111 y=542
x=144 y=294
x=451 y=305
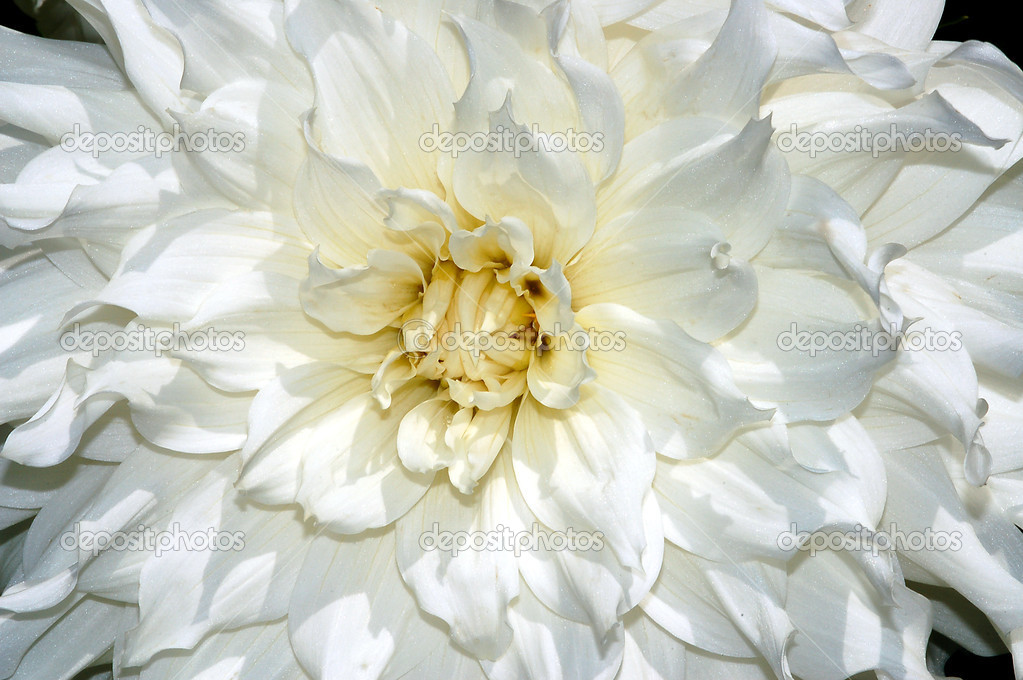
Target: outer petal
x=978 y=261
x=682 y=389
x=262 y=651
x=763 y=477
x=738 y=182
x=600 y=475
x=148 y=54
x=549 y=647
x=352 y=478
x=666 y=263
x=168 y=269
x=471 y=589
x=776 y=367
x=551 y=192
x=369 y=620
x=354 y=50
x=244 y=575
x=583 y=580
x=870 y=633
x=905 y=26
x=362 y=299
x=282 y=419
x=30 y=351
x=651 y=653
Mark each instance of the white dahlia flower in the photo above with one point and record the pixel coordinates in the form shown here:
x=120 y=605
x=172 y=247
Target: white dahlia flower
x=508 y=339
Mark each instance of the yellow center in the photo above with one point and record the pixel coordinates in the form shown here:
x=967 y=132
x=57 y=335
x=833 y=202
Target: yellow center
x=474 y=332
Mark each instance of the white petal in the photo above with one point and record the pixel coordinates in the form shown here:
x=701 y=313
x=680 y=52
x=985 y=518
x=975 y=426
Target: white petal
x=149 y=55
x=960 y=621
x=508 y=242
x=685 y=605
x=701 y=665
x=602 y=112
x=379 y=88
x=930 y=391
x=651 y=653
x=759 y=478
x=352 y=617
x=660 y=263
x=978 y=259
x=224 y=43
x=476 y=437
x=551 y=192
x=470 y=590
x=143 y=489
x=978 y=555
x=258 y=141
x=549 y=647
x=167 y=270
x=337 y=204
x=259 y=330
x=753 y=596
x=740 y=183
x=263 y=651
x=421 y=444
x=243 y=574
x=362 y=299
x=30 y=351
x=282 y=418
x=1003 y=423
x=867 y=633
x=823 y=232
x=683 y=389
x=600 y=475
x=74 y=642
x=189 y=415
x=907 y=26
x=587 y=583
x=905 y=214
x=721 y=84
x=70 y=61
x=352 y=478
x=556 y=376
x=775 y=366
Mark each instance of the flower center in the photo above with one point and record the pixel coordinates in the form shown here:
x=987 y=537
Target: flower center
x=476 y=333
x=480 y=322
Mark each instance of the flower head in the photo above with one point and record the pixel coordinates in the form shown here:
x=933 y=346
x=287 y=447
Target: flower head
x=508 y=339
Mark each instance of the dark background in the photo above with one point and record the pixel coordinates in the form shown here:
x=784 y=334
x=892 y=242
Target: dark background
x=12 y=17
x=981 y=21
x=961 y=21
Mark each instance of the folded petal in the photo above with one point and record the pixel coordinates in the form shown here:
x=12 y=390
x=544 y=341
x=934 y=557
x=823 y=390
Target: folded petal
x=601 y=473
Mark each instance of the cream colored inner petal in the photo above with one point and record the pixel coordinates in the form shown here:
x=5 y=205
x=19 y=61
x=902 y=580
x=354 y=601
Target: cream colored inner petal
x=485 y=327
